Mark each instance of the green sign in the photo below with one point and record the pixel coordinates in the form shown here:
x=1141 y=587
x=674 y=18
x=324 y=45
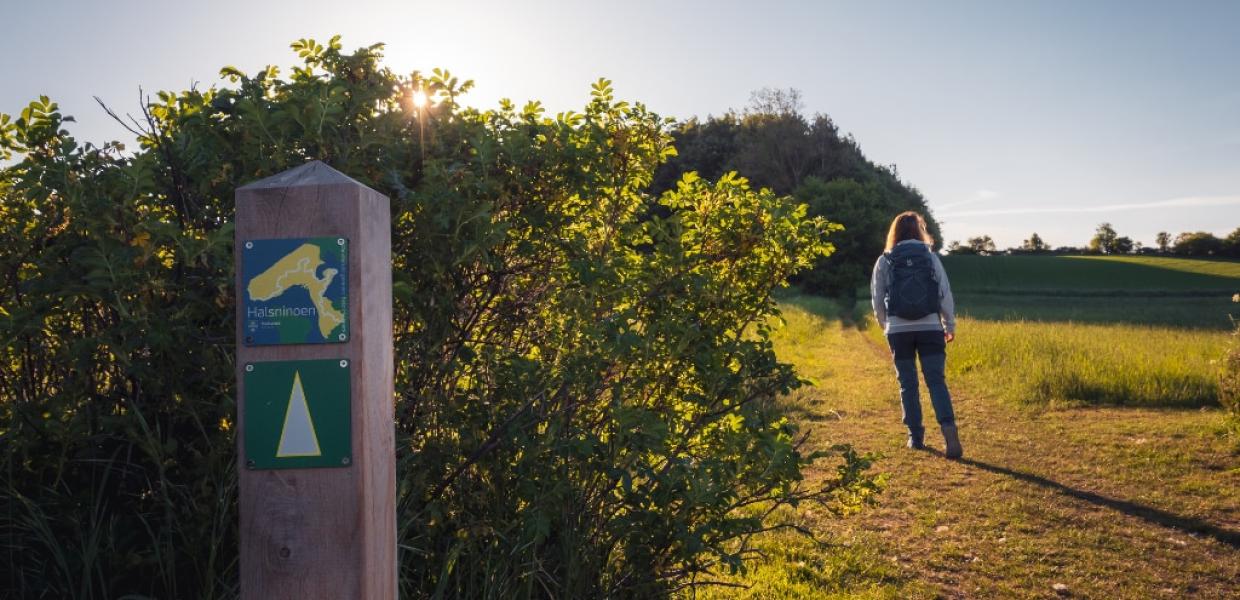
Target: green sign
x=297 y=414
x=295 y=291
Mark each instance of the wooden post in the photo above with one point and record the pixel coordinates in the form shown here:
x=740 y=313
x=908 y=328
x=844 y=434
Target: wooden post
x=311 y=530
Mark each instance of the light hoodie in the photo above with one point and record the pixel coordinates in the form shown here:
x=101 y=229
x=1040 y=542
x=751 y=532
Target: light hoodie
x=945 y=320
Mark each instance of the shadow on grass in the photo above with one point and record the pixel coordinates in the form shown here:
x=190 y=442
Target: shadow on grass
x=1141 y=511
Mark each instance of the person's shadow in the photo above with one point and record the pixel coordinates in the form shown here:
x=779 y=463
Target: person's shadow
x=1141 y=511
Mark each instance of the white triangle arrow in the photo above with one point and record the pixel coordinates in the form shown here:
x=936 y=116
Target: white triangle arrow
x=298 y=438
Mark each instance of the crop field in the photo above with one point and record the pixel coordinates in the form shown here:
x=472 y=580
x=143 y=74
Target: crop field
x=1098 y=275
x=1097 y=463
x=1139 y=290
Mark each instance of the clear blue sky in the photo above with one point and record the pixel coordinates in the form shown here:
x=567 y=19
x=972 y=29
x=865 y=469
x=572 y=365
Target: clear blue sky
x=1010 y=118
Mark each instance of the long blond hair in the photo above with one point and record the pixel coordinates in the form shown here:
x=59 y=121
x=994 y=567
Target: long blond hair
x=908 y=225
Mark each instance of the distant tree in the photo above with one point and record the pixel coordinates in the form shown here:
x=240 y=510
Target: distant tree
x=1197 y=243
x=703 y=146
x=956 y=248
x=1163 y=239
x=982 y=245
x=775 y=102
x=1034 y=244
x=1121 y=245
x=1104 y=239
x=775 y=145
x=1231 y=244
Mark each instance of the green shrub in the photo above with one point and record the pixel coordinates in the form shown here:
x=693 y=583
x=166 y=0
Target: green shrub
x=1229 y=379
x=584 y=377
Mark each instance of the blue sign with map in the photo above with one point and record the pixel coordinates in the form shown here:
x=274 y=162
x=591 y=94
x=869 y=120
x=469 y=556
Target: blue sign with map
x=295 y=291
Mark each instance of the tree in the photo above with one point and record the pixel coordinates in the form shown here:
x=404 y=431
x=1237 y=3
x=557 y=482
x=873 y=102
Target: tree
x=957 y=248
x=775 y=102
x=773 y=144
x=1231 y=244
x=982 y=245
x=1121 y=245
x=587 y=396
x=1163 y=240
x=866 y=212
x=1034 y=244
x=1197 y=243
x=1104 y=239
x=774 y=140
x=705 y=147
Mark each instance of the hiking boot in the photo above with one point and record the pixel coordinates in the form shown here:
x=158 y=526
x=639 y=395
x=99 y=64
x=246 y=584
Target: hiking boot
x=952 y=441
x=915 y=441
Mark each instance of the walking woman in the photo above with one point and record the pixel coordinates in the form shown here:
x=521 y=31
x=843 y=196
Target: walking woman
x=913 y=304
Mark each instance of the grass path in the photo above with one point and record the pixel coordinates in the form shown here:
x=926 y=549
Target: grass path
x=1107 y=503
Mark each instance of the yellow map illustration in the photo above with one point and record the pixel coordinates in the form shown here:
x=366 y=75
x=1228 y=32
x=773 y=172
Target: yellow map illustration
x=298 y=269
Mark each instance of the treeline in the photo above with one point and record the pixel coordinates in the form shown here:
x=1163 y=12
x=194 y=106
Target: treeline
x=1107 y=241
x=775 y=145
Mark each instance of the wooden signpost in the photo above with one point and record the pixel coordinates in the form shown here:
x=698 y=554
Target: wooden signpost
x=315 y=388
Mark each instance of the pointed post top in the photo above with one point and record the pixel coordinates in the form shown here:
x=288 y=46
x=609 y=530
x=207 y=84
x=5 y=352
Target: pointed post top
x=315 y=172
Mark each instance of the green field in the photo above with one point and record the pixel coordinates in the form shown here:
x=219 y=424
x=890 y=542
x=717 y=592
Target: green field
x=1207 y=313
x=1144 y=290
x=1139 y=290
x=1093 y=275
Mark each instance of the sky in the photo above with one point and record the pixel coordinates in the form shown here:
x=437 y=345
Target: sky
x=1011 y=118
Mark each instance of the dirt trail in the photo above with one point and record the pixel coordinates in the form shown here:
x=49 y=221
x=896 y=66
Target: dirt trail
x=1093 y=503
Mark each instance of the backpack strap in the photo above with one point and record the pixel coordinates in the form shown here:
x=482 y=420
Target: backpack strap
x=889 y=271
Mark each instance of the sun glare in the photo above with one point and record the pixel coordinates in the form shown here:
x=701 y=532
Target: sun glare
x=419 y=99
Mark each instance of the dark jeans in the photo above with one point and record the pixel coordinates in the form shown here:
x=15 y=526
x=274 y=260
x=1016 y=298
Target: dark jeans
x=931 y=348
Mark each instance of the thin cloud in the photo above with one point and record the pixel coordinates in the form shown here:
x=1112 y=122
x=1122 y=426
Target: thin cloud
x=1186 y=202
x=978 y=196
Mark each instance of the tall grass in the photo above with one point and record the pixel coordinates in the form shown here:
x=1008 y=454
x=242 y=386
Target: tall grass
x=795 y=567
x=1074 y=363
